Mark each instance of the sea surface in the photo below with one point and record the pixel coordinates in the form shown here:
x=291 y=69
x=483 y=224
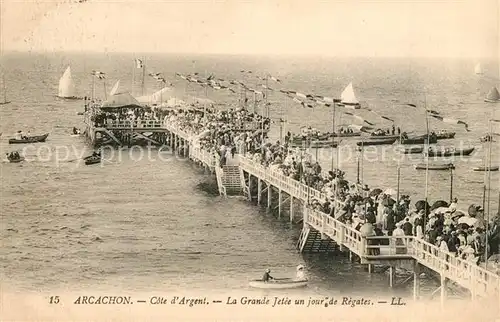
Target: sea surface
x=143 y=224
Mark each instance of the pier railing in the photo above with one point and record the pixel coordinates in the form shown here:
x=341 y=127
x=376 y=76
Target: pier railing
x=285 y=183
x=463 y=272
x=129 y=124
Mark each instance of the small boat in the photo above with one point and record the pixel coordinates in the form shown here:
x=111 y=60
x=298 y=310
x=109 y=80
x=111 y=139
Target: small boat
x=278 y=284
x=486 y=138
x=377 y=141
x=67 y=87
x=493 y=96
x=478 y=69
x=449 y=152
x=423 y=166
x=15 y=160
x=412 y=150
x=421 y=139
x=92 y=160
x=315 y=144
x=443 y=135
x=347 y=135
x=482 y=168
x=31 y=139
x=348 y=98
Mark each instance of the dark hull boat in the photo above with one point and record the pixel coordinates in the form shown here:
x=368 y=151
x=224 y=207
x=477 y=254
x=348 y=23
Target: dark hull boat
x=419 y=140
x=482 y=168
x=31 y=139
x=388 y=136
x=346 y=135
x=445 y=135
x=445 y=153
x=92 y=160
x=15 y=160
x=315 y=144
x=412 y=150
x=423 y=166
x=376 y=142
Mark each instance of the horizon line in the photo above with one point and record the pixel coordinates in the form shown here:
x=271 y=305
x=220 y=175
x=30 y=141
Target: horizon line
x=250 y=54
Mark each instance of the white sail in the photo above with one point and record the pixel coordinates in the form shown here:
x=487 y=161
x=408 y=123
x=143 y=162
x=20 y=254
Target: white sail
x=114 y=90
x=478 y=69
x=348 y=96
x=493 y=95
x=66 y=86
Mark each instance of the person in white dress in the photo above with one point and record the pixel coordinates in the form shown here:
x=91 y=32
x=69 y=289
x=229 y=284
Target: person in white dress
x=300 y=275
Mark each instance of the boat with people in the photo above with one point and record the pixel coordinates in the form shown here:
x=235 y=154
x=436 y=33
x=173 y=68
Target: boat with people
x=412 y=150
x=435 y=166
x=76 y=132
x=483 y=168
x=444 y=134
x=315 y=144
x=420 y=139
x=29 y=139
x=486 y=138
x=376 y=141
x=448 y=152
x=94 y=158
x=14 y=157
x=269 y=282
x=285 y=283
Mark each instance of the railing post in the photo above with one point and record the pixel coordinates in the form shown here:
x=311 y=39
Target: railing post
x=304 y=221
x=323 y=226
x=362 y=246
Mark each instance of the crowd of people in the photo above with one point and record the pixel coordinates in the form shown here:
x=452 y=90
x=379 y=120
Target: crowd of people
x=374 y=213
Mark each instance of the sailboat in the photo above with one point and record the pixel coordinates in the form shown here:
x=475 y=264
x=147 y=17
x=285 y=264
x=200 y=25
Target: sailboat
x=66 y=85
x=4 y=92
x=348 y=98
x=493 y=96
x=114 y=90
x=478 y=69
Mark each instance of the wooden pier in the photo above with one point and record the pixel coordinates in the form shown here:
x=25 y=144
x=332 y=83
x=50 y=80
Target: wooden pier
x=322 y=232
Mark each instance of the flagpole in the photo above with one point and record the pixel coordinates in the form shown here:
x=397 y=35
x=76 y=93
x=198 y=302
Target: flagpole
x=104 y=84
x=426 y=161
x=133 y=76
x=143 y=74
x=333 y=130
x=93 y=87
x=489 y=188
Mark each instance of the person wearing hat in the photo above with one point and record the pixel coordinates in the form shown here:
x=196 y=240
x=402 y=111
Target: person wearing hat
x=300 y=275
x=267 y=276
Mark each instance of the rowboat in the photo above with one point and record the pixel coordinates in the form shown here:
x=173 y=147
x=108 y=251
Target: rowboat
x=16 y=160
x=315 y=144
x=443 y=135
x=377 y=141
x=482 y=168
x=92 y=160
x=412 y=150
x=423 y=166
x=450 y=152
x=278 y=284
x=31 y=139
x=419 y=139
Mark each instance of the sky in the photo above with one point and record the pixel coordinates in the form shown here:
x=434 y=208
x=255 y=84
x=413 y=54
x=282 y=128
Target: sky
x=467 y=28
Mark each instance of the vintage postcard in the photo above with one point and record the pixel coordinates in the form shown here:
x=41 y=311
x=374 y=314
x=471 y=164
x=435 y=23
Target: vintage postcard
x=257 y=160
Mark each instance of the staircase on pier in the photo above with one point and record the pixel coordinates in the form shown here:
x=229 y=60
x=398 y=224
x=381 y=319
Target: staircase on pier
x=310 y=241
x=229 y=180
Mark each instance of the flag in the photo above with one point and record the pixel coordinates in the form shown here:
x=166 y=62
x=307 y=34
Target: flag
x=138 y=63
x=452 y=121
x=98 y=74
